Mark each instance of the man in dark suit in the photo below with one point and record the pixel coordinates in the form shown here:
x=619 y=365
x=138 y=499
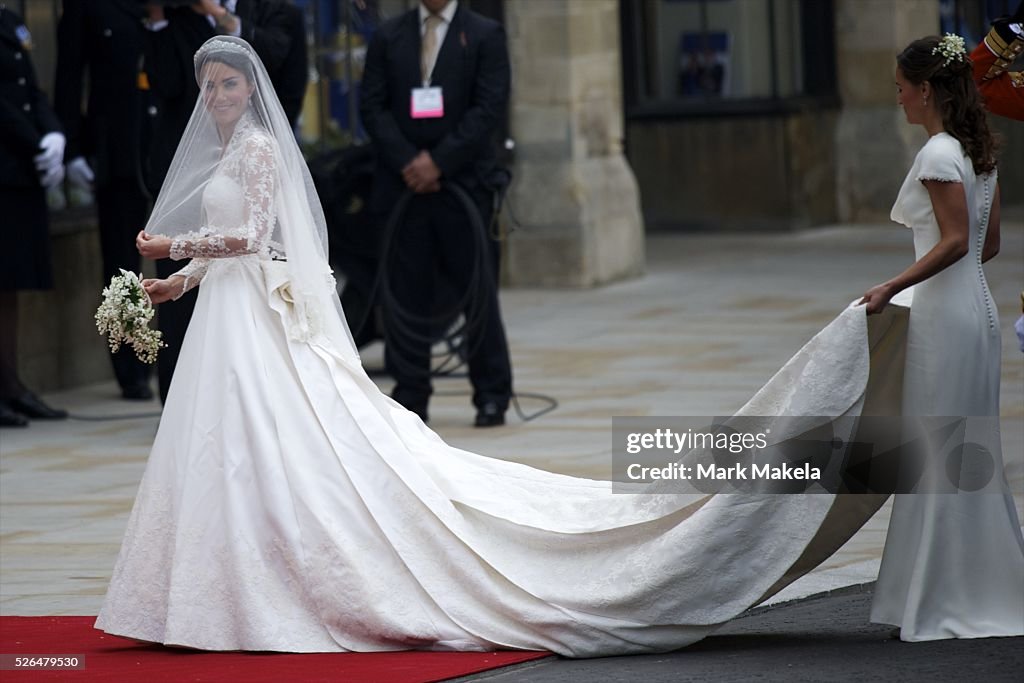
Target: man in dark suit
x=292 y=76
x=175 y=33
x=434 y=90
x=104 y=39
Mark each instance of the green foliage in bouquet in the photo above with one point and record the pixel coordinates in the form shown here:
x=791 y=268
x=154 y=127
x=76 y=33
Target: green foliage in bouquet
x=124 y=317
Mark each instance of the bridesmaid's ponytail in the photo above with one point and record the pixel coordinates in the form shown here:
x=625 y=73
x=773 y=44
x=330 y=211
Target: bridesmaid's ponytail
x=950 y=74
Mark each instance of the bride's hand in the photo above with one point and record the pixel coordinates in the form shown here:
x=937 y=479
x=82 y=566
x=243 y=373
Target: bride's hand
x=153 y=246
x=160 y=291
x=877 y=297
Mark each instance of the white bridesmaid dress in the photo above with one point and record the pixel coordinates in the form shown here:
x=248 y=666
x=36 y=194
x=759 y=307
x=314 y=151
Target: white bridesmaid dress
x=953 y=565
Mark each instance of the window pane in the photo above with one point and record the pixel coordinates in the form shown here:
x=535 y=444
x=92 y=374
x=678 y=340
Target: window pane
x=789 y=66
x=709 y=49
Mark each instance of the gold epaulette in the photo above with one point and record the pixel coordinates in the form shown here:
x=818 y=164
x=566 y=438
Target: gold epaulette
x=1006 y=53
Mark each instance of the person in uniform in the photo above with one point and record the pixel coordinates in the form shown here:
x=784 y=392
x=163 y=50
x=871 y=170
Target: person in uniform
x=1002 y=89
x=104 y=39
x=31 y=160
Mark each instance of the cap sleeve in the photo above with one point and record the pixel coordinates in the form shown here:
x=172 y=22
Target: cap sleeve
x=941 y=159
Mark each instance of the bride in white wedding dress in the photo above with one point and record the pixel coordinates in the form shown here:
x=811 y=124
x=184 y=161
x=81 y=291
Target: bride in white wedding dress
x=289 y=505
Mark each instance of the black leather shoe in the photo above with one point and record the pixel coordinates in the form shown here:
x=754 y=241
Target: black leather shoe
x=419 y=410
x=489 y=415
x=34 y=408
x=414 y=403
x=11 y=418
x=137 y=392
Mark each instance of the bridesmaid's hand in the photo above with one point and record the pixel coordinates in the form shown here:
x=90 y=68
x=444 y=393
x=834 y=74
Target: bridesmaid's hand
x=153 y=246
x=160 y=291
x=877 y=297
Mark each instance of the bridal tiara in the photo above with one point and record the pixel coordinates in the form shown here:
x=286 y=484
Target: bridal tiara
x=951 y=47
x=215 y=45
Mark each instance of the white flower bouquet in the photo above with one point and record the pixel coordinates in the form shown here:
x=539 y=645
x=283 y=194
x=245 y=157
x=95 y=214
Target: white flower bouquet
x=124 y=317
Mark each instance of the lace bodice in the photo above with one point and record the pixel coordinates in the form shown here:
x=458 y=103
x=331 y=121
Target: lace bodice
x=238 y=206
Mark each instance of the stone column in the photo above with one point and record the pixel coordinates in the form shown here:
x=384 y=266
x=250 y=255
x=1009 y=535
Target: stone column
x=574 y=194
x=875 y=146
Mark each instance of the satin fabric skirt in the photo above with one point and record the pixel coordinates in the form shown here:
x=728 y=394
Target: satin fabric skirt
x=289 y=505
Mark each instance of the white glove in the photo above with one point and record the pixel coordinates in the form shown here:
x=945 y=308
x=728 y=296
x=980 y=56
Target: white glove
x=52 y=146
x=80 y=174
x=52 y=176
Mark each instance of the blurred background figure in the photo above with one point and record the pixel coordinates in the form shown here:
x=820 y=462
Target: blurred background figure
x=291 y=78
x=101 y=42
x=31 y=160
x=1002 y=89
x=175 y=31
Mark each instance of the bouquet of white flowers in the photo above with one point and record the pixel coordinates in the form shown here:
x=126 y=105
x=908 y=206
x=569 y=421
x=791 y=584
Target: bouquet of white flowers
x=124 y=317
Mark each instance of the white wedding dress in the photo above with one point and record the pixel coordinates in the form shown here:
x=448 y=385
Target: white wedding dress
x=953 y=565
x=289 y=505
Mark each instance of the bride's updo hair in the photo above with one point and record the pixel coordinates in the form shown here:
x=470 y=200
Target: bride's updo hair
x=957 y=97
x=228 y=54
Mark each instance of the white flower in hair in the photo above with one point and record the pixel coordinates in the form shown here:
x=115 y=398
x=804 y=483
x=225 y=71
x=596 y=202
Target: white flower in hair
x=951 y=47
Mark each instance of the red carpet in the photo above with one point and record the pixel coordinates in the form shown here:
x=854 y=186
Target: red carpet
x=109 y=658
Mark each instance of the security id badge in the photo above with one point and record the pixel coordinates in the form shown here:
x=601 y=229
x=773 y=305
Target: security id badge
x=427 y=103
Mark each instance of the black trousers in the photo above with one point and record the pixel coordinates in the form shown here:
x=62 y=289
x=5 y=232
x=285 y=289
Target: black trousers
x=435 y=242
x=122 y=209
x=174 y=317
x=25 y=258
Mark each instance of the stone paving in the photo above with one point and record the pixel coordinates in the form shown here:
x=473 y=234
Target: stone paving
x=714 y=317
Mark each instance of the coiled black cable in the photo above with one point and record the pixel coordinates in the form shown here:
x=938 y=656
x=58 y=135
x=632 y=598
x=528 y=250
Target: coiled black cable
x=403 y=328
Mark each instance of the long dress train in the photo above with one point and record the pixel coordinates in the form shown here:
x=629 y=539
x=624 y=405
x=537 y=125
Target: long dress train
x=289 y=505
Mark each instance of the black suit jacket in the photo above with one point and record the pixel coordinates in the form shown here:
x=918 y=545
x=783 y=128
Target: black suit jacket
x=169 y=67
x=103 y=38
x=473 y=71
x=292 y=76
x=25 y=115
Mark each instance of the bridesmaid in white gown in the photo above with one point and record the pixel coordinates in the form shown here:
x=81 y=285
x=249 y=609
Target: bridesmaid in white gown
x=289 y=505
x=953 y=565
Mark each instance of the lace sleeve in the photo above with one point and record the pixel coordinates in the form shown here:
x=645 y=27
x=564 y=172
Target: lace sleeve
x=257 y=180
x=193 y=273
